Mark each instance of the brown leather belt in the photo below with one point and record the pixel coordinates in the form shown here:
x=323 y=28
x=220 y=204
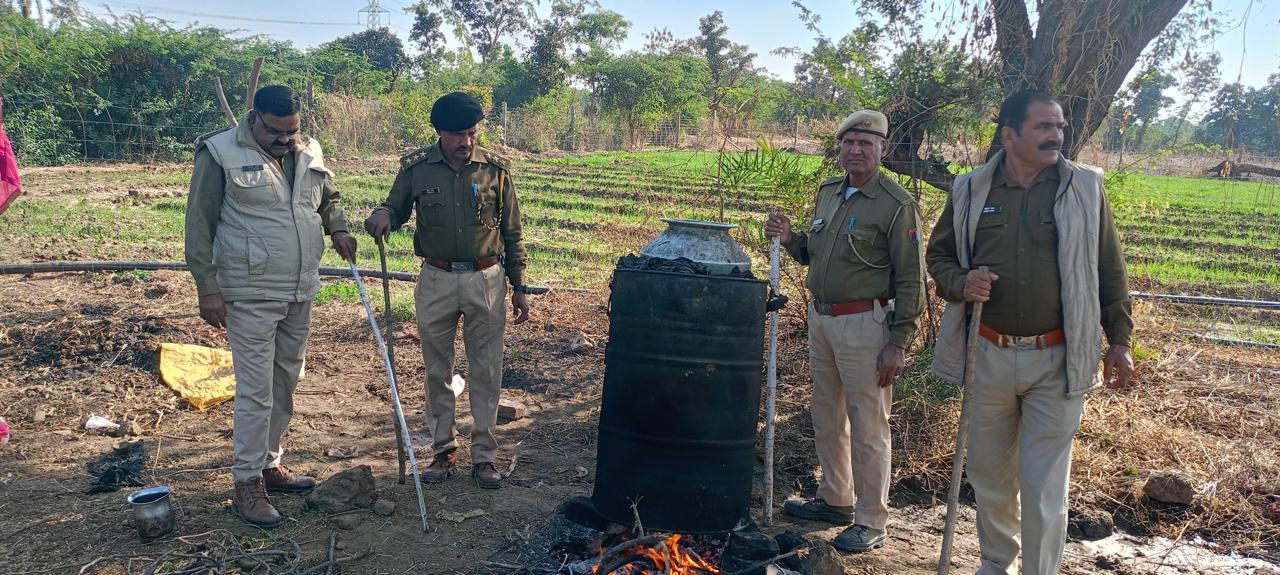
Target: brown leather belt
x=1042 y=341
x=846 y=308
x=463 y=266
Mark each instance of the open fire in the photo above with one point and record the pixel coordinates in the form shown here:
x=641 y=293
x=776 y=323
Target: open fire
x=674 y=554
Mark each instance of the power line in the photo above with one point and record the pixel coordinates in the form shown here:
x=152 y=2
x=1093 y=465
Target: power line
x=224 y=16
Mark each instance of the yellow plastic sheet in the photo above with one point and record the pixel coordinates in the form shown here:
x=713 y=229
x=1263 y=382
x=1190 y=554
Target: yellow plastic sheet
x=201 y=375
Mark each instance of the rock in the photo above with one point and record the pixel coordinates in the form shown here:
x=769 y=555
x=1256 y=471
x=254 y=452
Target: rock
x=38 y=416
x=350 y=489
x=550 y=327
x=823 y=559
x=911 y=490
x=1169 y=487
x=348 y=522
x=581 y=343
x=510 y=410
x=384 y=507
x=1089 y=524
x=66 y=434
x=748 y=546
x=581 y=511
x=789 y=541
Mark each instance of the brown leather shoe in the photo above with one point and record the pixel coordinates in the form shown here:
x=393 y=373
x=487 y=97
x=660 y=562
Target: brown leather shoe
x=441 y=467
x=486 y=476
x=252 y=505
x=282 y=480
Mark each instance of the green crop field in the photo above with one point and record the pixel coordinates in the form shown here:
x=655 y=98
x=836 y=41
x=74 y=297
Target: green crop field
x=1188 y=235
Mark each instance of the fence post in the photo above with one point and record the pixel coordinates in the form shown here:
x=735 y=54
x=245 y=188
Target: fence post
x=573 y=125
x=504 y=123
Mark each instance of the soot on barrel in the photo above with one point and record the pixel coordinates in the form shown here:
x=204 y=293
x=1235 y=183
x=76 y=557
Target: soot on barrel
x=681 y=396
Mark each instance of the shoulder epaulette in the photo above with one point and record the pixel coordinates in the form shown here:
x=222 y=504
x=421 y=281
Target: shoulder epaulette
x=831 y=180
x=200 y=140
x=901 y=194
x=408 y=160
x=497 y=160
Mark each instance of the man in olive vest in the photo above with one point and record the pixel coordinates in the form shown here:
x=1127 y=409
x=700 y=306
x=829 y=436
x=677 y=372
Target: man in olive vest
x=867 y=281
x=1055 y=282
x=261 y=201
x=469 y=237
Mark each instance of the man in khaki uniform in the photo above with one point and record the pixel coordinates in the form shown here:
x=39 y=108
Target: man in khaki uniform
x=1055 y=282
x=468 y=235
x=260 y=199
x=867 y=281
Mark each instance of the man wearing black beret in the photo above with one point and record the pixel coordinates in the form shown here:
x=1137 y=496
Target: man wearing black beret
x=468 y=236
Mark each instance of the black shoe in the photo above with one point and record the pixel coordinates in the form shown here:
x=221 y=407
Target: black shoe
x=818 y=510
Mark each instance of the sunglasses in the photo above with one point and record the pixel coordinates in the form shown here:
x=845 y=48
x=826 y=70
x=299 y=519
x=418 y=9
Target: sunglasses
x=275 y=132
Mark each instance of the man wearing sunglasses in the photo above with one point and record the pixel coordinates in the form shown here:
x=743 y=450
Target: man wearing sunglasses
x=260 y=204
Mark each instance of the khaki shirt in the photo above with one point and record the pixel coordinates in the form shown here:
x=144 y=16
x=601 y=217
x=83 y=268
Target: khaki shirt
x=204 y=205
x=462 y=216
x=865 y=247
x=1017 y=239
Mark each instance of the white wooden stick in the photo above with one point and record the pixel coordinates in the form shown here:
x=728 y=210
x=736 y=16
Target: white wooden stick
x=771 y=399
x=395 y=393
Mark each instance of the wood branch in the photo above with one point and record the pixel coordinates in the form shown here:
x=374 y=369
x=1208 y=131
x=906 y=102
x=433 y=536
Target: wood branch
x=1230 y=169
x=222 y=102
x=253 y=81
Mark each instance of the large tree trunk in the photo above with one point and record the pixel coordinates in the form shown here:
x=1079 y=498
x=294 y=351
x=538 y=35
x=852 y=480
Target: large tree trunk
x=1080 y=51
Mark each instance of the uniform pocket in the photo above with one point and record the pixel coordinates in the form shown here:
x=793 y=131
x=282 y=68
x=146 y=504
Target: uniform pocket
x=250 y=186
x=315 y=189
x=256 y=255
x=865 y=245
x=431 y=209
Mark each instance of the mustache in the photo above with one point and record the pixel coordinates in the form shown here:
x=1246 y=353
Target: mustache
x=1051 y=146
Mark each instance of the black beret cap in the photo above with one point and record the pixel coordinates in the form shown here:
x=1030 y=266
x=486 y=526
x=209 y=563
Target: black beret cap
x=456 y=111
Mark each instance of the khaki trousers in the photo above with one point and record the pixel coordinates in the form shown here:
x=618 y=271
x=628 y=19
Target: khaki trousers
x=1020 y=432
x=268 y=342
x=851 y=413
x=478 y=297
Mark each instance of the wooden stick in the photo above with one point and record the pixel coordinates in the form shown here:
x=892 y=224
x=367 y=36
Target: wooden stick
x=333 y=543
x=771 y=399
x=395 y=392
x=391 y=348
x=253 y=81
x=962 y=437
x=222 y=102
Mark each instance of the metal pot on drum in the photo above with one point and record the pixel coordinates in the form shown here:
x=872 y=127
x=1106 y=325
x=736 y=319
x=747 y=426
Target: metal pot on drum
x=153 y=512
x=707 y=243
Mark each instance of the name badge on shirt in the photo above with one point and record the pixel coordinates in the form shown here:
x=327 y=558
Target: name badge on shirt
x=429 y=191
x=254 y=168
x=816 y=226
x=992 y=209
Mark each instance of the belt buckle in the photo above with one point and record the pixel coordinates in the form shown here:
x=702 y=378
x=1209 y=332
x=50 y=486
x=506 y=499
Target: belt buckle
x=823 y=308
x=462 y=267
x=1023 y=340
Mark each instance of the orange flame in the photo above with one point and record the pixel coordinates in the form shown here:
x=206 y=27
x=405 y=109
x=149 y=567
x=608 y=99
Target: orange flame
x=667 y=557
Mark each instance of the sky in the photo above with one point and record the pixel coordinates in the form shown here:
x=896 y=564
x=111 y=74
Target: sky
x=1249 y=48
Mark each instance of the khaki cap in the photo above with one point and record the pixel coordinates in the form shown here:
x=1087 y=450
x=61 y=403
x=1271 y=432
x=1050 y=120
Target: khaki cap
x=867 y=121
